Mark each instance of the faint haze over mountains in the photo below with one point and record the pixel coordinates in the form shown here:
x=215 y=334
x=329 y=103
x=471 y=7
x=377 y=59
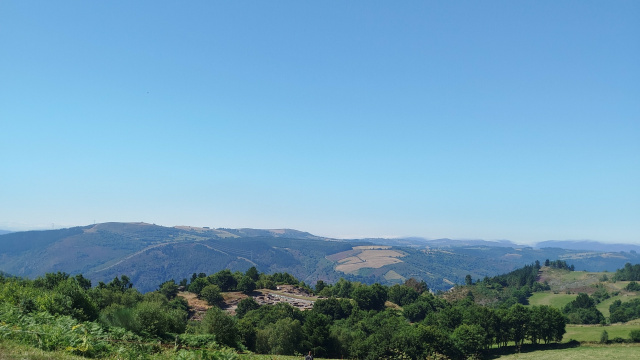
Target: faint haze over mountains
x=150 y=254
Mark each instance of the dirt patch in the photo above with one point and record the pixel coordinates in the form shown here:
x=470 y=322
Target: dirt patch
x=197 y=307
x=297 y=297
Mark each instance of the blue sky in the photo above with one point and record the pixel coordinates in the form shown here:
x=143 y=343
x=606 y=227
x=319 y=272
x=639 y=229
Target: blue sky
x=494 y=120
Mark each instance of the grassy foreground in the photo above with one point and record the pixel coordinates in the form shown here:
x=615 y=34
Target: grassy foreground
x=583 y=352
x=12 y=351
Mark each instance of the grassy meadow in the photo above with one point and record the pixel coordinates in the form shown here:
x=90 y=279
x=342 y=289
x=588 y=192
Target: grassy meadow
x=583 y=352
x=565 y=287
x=591 y=333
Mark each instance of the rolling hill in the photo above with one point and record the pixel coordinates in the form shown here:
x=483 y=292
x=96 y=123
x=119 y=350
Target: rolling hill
x=150 y=254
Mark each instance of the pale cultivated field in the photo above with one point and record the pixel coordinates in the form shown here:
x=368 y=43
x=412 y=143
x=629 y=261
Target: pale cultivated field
x=369 y=259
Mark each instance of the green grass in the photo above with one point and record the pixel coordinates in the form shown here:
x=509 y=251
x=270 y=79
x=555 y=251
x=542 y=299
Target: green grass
x=584 y=352
x=548 y=298
x=12 y=351
x=591 y=333
x=604 y=306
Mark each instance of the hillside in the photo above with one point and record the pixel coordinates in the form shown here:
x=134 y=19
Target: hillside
x=150 y=254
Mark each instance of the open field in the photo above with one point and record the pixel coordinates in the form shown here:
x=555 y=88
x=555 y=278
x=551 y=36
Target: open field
x=575 y=281
x=591 y=333
x=583 y=352
x=367 y=259
x=548 y=298
x=561 y=299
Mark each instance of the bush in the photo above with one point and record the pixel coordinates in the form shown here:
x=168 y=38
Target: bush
x=157 y=320
x=634 y=335
x=604 y=337
x=618 y=340
x=632 y=286
x=116 y=315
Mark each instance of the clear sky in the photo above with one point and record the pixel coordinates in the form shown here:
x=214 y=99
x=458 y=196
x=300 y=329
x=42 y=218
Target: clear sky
x=511 y=120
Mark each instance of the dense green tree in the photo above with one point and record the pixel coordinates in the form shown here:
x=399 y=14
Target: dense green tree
x=198 y=284
x=335 y=308
x=246 y=285
x=265 y=282
x=632 y=286
x=157 y=320
x=269 y=314
x=468 y=280
x=402 y=295
x=518 y=319
x=320 y=285
x=468 y=339
x=628 y=273
x=81 y=306
x=370 y=297
x=342 y=288
x=84 y=283
x=283 y=337
x=169 y=289
x=623 y=312
x=253 y=273
x=222 y=326
x=547 y=324
x=224 y=279
x=245 y=305
x=583 y=310
x=316 y=333
x=419 y=286
x=211 y=293
x=50 y=280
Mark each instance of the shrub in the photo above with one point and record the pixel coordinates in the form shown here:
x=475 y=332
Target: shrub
x=604 y=337
x=157 y=320
x=618 y=340
x=116 y=315
x=634 y=335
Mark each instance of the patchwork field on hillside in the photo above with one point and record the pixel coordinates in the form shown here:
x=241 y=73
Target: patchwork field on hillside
x=350 y=262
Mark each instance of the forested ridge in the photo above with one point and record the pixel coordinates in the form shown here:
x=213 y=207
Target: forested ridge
x=149 y=255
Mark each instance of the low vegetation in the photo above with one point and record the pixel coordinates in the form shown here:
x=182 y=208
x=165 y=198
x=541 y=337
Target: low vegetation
x=65 y=315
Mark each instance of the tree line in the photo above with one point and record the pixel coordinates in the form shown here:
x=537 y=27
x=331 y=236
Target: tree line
x=352 y=320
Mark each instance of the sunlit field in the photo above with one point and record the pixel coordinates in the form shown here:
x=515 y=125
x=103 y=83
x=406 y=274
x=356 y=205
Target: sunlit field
x=583 y=352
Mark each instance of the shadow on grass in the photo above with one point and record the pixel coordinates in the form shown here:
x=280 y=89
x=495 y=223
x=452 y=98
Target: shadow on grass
x=526 y=348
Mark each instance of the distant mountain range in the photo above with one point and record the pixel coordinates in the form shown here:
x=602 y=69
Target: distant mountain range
x=587 y=245
x=2 y=232
x=151 y=254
